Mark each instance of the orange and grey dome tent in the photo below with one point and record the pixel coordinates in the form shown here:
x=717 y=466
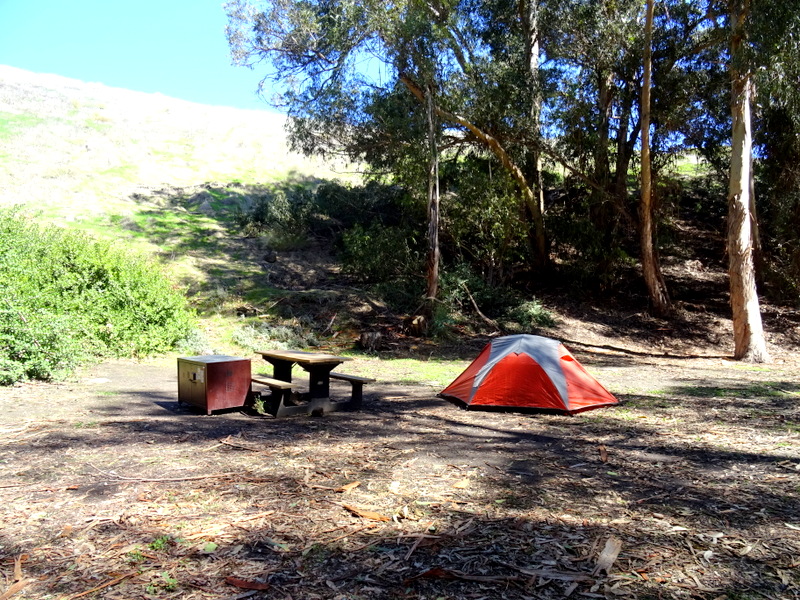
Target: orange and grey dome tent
x=527 y=372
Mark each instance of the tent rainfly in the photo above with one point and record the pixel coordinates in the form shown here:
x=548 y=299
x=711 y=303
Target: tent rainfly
x=527 y=372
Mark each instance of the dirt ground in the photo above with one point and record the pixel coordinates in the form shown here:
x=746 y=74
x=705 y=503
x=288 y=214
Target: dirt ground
x=689 y=489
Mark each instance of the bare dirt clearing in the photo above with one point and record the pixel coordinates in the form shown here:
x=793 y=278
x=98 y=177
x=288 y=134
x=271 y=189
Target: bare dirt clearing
x=109 y=485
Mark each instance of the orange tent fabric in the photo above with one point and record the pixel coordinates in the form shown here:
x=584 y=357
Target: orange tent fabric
x=528 y=372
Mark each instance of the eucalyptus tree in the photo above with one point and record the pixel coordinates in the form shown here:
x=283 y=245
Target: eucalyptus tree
x=673 y=37
x=335 y=62
x=759 y=43
x=594 y=57
x=763 y=37
x=656 y=287
x=609 y=59
x=748 y=334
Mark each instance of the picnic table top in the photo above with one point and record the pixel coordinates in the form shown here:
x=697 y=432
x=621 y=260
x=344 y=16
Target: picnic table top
x=302 y=357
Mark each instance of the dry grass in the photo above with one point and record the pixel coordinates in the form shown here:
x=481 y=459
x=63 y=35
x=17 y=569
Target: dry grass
x=109 y=489
x=78 y=151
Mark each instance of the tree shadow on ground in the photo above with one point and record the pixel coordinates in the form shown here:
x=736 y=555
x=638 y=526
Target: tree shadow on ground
x=697 y=479
x=533 y=517
x=492 y=505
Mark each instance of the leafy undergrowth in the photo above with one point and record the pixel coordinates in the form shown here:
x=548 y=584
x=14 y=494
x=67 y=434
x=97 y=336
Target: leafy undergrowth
x=689 y=489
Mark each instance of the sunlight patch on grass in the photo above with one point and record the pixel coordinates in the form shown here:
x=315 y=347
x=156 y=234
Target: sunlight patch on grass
x=747 y=391
x=407 y=371
x=691 y=165
x=126 y=172
x=99 y=123
x=13 y=124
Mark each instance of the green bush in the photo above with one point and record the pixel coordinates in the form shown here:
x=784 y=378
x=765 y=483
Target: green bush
x=460 y=286
x=267 y=336
x=374 y=202
x=530 y=314
x=482 y=224
x=460 y=281
x=328 y=208
x=277 y=209
x=68 y=297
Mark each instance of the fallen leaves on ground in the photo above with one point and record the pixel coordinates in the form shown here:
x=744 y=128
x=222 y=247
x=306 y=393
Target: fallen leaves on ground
x=701 y=500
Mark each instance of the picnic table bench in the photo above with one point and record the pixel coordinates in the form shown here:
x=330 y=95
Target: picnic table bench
x=357 y=383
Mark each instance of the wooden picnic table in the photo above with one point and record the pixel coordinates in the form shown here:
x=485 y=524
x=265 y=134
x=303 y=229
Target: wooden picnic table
x=318 y=365
x=284 y=401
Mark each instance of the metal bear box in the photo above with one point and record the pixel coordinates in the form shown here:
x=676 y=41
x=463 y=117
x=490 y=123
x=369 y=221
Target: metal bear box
x=213 y=382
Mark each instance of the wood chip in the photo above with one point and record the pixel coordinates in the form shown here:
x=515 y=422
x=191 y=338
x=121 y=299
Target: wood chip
x=102 y=586
x=439 y=573
x=348 y=487
x=366 y=514
x=246 y=584
x=16 y=588
x=557 y=575
x=18 y=568
x=609 y=555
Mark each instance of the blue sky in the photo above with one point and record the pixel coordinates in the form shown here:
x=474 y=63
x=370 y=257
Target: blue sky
x=175 y=47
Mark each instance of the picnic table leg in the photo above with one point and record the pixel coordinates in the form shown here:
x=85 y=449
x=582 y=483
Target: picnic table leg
x=357 y=395
x=319 y=381
x=282 y=369
x=276 y=401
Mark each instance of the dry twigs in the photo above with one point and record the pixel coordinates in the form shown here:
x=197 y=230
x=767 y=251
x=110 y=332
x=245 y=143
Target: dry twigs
x=164 y=479
x=103 y=586
x=641 y=501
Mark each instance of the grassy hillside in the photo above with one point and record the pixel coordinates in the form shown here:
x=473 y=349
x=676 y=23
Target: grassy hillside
x=157 y=173
x=167 y=176
x=77 y=150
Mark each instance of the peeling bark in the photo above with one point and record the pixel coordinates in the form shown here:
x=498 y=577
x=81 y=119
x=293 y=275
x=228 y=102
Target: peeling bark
x=433 y=203
x=748 y=333
x=656 y=286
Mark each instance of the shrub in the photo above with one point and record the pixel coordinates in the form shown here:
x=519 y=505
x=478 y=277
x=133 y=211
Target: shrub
x=195 y=342
x=460 y=281
x=374 y=202
x=379 y=254
x=460 y=286
x=277 y=209
x=68 y=297
x=530 y=314
x=326 y=209
x=481 y=222
x=266 y=336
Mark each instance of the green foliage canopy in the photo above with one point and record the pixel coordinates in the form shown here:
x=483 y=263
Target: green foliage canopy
x=68 y=297
x=352 y=76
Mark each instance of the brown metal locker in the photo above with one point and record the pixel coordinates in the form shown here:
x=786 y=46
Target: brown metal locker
x=213 y=382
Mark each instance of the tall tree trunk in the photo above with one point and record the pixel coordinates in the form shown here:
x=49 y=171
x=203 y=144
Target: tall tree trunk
x=623 y=162
x=627 y=136
x=605 y=97
x=656 y=287
x=529 y=15
x=748 y=333
x=601 y=213
x=433 y=203
x=758 y=255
